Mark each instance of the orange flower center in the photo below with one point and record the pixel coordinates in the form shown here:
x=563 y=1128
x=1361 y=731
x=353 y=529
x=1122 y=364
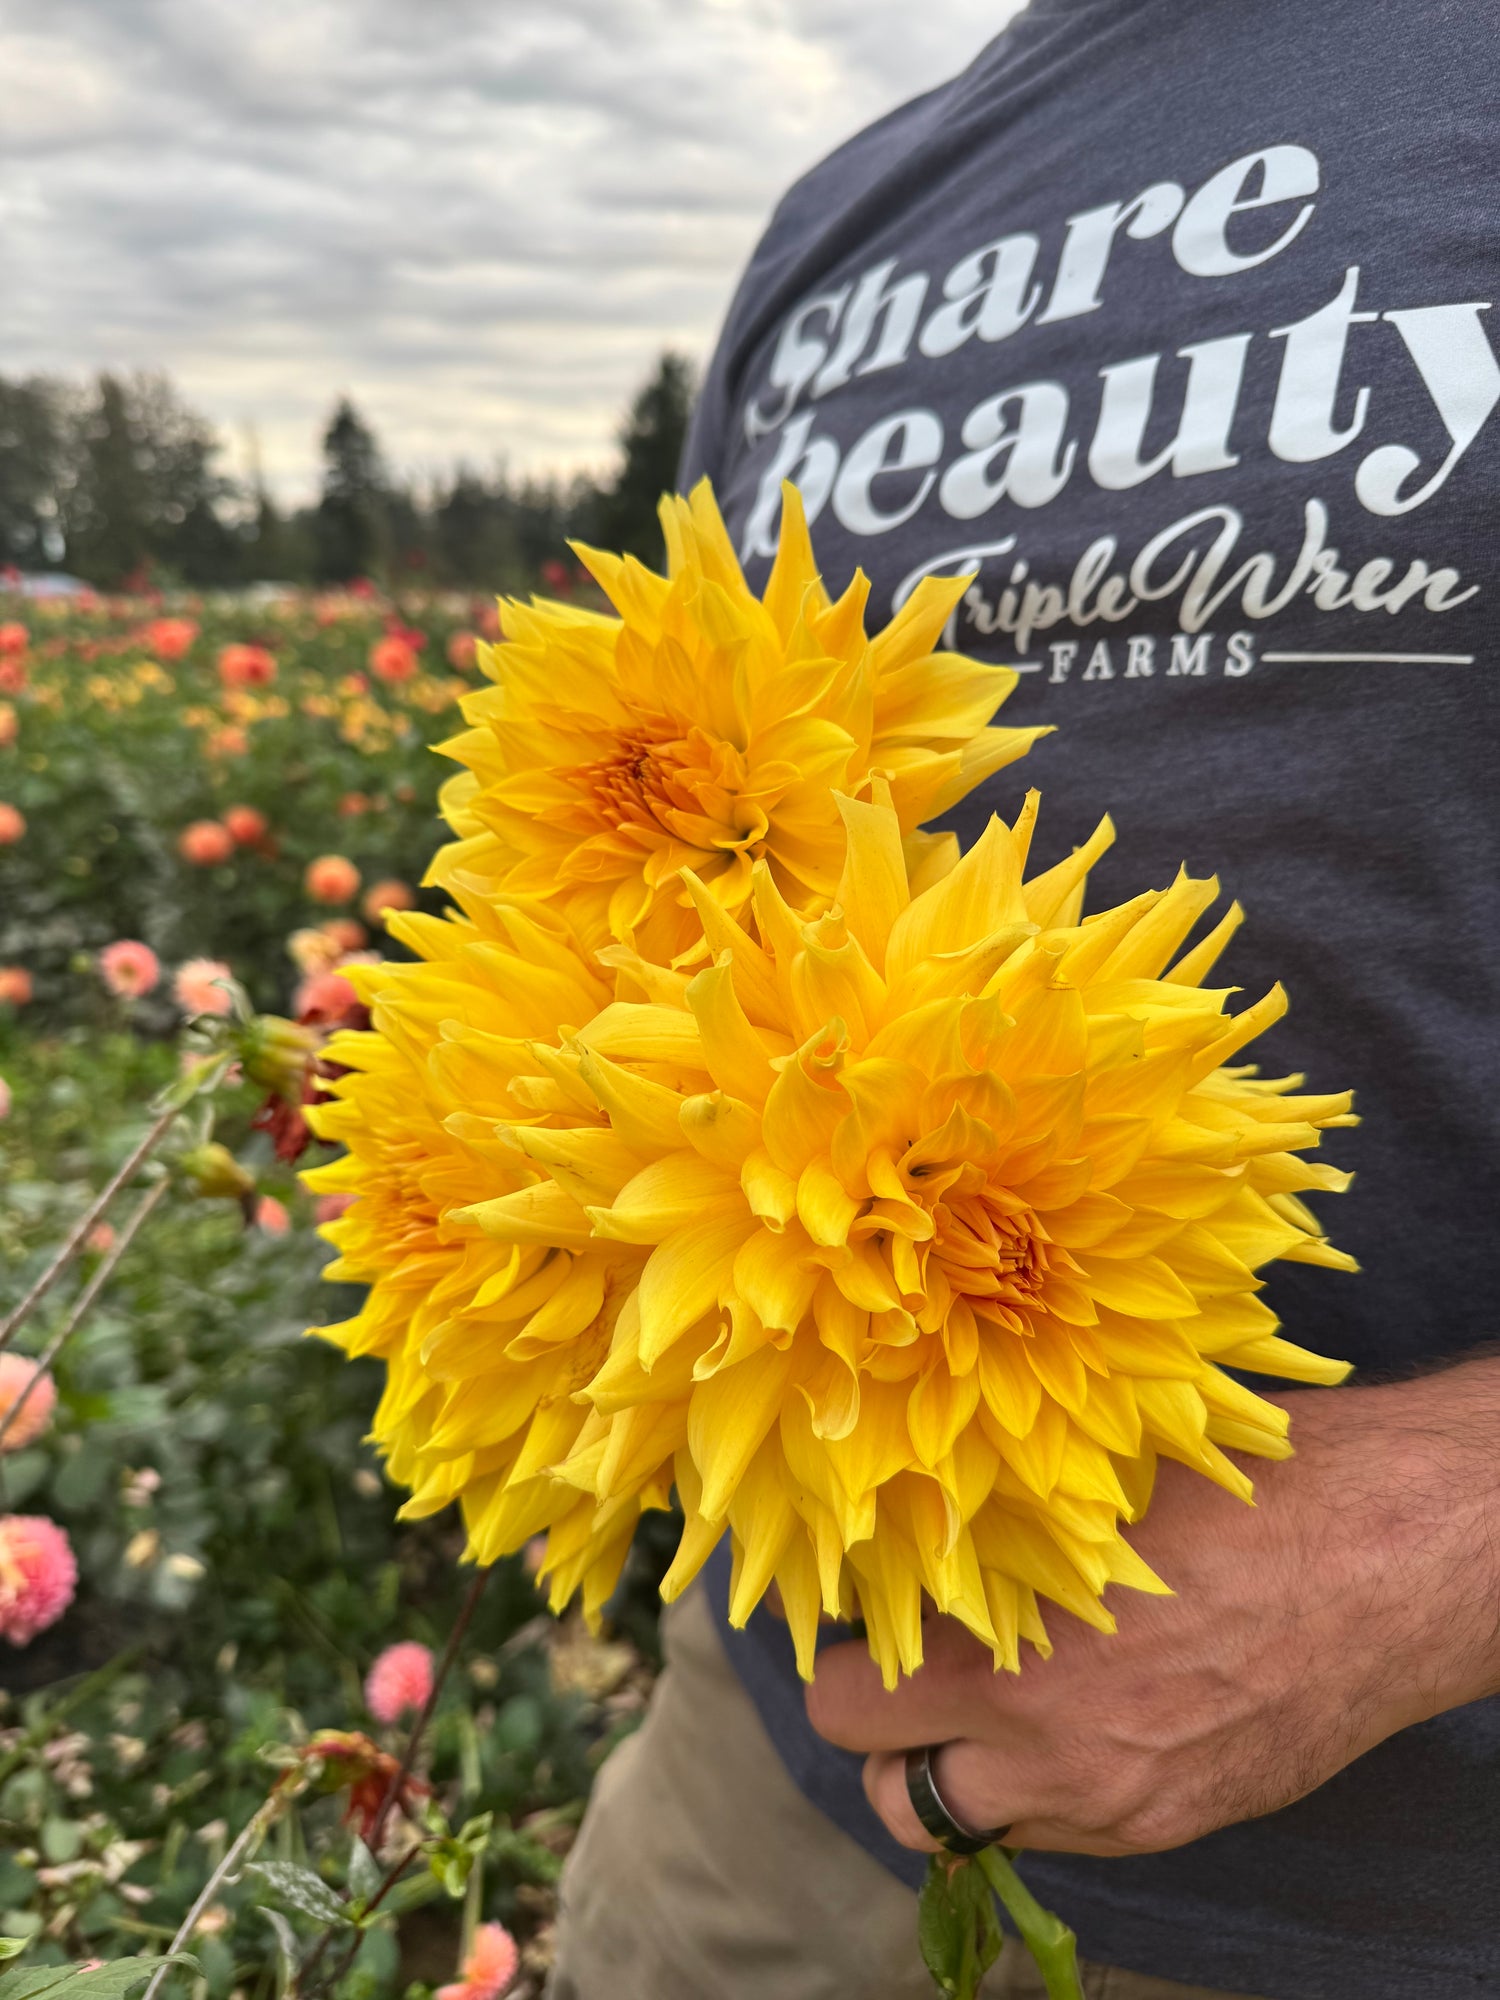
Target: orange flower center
x=641 y=784
x=664 y=783
x=990 y=1249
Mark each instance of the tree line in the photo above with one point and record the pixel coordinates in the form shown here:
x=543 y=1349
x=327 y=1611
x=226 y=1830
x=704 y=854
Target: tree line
x=118 y=482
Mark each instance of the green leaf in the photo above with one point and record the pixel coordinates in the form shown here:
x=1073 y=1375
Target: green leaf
x=218 y=1967
x=24 y=1473
x=450 y=1864
x=82 y=1480
x=300 y=1889
x=111 y=1981
x=519 y=1725
x=475 y=1833
x=62 y=1839
x=12 y=1947
x=17 y=1884
x=288 y=1951
x=364 y=1872
x=202 y=1077
x=526 y=1857
x=957 y=1928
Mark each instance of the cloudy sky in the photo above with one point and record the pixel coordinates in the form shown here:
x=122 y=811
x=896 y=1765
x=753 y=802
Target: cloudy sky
x=481 y=218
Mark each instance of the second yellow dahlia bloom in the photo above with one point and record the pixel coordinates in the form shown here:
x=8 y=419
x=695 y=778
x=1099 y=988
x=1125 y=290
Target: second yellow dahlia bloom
x=451 y=1050
x=901 y=1241
x=704 y=727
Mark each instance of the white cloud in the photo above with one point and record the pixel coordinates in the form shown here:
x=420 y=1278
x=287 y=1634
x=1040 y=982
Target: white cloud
x=482 y=220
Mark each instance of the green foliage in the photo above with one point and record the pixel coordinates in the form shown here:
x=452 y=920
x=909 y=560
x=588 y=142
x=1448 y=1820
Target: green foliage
x=82 y=1982
x=957 y=1928
x=241 y=1568
x=241 y=1561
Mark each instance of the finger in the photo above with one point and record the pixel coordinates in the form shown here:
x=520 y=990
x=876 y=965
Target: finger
x=978 y=1799
x=951 y=1694
x=977 y=1788
x=885 y=1788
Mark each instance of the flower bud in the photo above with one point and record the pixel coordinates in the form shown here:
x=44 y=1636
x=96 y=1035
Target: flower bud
x=213 y=1170
x=276 y=1054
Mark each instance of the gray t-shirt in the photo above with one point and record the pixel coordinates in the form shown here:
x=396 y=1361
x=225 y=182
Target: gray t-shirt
x=1173 y=319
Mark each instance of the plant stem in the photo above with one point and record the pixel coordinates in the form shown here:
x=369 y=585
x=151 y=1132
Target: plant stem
x=84 y=1300
x=1045 y=1936
x=253 y=1831
x=408 y=1756
x=393 y=1791
x=315 y=1958
x=473 y=1911
x=83 y=1225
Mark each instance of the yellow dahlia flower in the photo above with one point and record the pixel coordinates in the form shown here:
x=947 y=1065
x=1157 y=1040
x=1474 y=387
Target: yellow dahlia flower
x=901 y=1242
x=447 y=1302
x=705 y=728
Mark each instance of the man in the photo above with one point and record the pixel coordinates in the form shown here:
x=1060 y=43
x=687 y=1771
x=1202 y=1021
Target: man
x=1170 y=320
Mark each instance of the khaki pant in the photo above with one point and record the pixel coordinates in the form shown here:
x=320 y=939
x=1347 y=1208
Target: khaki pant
x=701 y=1872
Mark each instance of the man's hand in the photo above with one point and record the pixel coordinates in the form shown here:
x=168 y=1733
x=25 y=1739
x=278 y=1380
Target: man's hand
x=1360 y=1595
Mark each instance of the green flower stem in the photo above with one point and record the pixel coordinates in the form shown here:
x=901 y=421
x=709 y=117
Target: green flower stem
x=85 y=1299
x=250 y=1837
x=409 y=1755
x=1045 y=1936
x=84 y=1224
x=473 y=1912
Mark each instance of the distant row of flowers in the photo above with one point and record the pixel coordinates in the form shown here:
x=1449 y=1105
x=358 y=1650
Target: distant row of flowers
x=38 y=1570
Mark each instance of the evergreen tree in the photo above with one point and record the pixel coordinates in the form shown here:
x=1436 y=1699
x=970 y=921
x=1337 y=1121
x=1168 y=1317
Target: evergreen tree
x=141 y=495
x=474 y=534
x=408 y=525
x=651 y=444
x=352 y=524
x=272 y=552
x=34 y=468
x=107 y=512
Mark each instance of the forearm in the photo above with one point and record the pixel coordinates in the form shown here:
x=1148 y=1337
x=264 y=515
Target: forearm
x=1411 y=1469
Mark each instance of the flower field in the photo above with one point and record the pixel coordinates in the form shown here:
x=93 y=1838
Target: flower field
x=174 y=779
x=209 y=1613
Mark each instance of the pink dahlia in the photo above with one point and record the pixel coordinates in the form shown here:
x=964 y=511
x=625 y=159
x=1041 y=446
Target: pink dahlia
x=129 y=968
x=324 y=997
x=400 y=1679
x=488 y=1969
x=38 y=1576
x=195 y=990
x=36 y=1412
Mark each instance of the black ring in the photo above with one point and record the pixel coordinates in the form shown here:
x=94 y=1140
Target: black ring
x=927 y=1804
